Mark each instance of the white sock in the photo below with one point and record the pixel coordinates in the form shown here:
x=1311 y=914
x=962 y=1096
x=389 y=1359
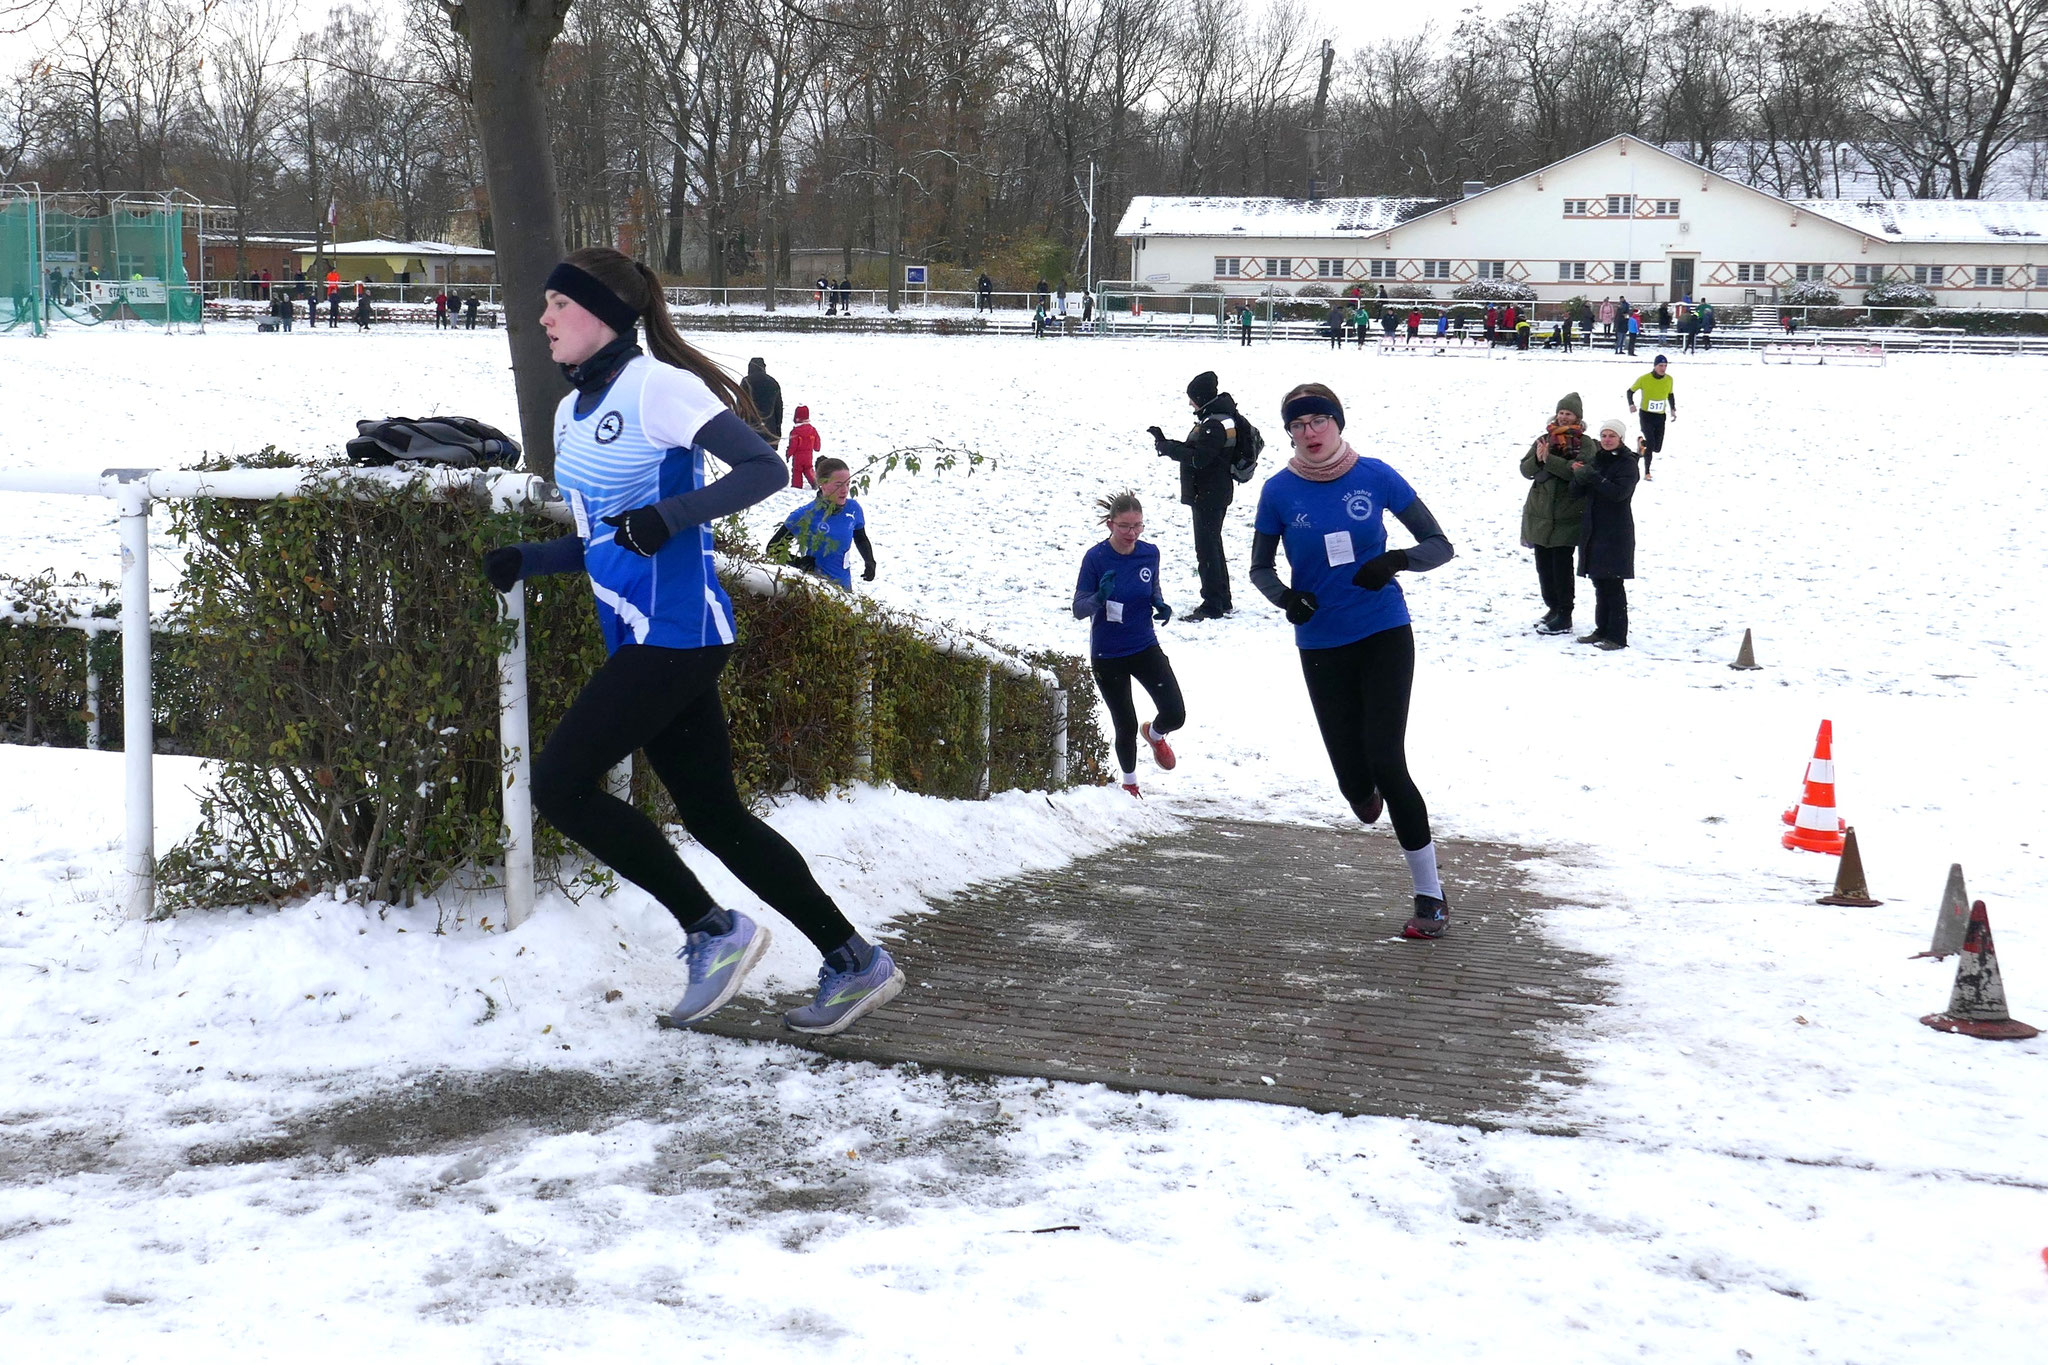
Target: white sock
x=1145 y=732
x=1422 y=867
x=1130 y=779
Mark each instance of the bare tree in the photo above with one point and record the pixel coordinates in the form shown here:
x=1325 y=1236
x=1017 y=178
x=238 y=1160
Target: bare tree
x=1945 y=80
x=242 y=106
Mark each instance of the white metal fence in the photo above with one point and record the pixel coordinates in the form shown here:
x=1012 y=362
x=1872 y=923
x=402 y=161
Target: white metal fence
x=134 y=489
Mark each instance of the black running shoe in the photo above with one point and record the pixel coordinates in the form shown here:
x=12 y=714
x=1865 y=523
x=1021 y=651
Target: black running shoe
x=1432 y=916
x=1554 y=625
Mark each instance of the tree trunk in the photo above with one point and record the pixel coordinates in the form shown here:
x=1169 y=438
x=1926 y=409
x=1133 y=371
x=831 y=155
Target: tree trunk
x=508 y=44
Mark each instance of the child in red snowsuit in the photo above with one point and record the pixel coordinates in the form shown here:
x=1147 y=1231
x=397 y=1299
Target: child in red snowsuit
x=803 y=445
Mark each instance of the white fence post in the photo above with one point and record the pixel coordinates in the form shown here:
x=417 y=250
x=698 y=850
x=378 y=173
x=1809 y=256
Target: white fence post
x=619 y=781
x=1059 y=738
x=988 y=746
x=138 y=730
x=92 y=696
x=514 y=753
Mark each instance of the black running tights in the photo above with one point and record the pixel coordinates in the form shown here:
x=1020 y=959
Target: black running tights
x=1360 y=694
x=1150 y=669
x=664 y=702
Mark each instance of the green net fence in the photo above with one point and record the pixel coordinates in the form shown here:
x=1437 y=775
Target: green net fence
x=94 y=259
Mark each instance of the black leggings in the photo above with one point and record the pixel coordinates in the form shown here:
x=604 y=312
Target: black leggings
x=1360 y=694
x=1152 y=671
x=665 y=703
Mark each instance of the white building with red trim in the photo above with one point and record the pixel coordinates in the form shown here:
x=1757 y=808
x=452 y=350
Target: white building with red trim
x=1621 y=218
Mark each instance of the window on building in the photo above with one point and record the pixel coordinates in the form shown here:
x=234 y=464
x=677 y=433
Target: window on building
x=1664 y=208
x=1571 y=270
x=1991 y=277
x=1750 y=272
x=1870 y=274
x=1930 y=274
x=1279 y=265
x=1329 y=269
x=1436 y=270
x=1620 y=205
x=1810 y=274
x=1493 y=270
x=1227 y=267
x=1628 y=270
x=1575 y=208
x=1383 y=269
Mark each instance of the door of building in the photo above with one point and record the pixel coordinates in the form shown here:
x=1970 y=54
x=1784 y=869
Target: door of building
x=1681 y=277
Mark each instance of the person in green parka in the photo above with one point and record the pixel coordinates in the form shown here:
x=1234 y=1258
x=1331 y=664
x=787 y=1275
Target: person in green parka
x=1551 y=517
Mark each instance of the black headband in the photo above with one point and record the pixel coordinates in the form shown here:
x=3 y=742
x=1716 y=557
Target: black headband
x=1304 y=404
x=584 y=287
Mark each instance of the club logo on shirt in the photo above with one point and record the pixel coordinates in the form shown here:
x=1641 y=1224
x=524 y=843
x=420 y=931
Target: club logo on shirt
x=609 y=426
x=1301 y=520
x=1358 y=505
x=1145 y=575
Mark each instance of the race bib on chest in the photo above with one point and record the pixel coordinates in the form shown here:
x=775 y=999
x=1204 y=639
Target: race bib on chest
x=1654 y=404
x=581 y=511
x=1115 y=609
x=1337 y=548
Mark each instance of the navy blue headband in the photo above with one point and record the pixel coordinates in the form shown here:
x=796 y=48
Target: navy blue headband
x=1304 y=404
x=584 y=287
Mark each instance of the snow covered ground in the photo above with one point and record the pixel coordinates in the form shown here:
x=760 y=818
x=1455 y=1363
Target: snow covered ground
x=211 y=1131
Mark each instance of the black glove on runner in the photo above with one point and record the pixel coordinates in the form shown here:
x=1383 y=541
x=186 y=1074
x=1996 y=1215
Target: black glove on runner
x=1379 y=571
x=1161 y=613
x=641 y=530
x=504 y=566
x=1299 y=606
x=867 y=575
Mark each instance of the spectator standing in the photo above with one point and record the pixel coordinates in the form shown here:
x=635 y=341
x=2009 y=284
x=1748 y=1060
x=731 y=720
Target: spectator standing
x=1706 y=325
x=1206 y=485
x=1334 y=326
x=440 y=309
x=1553 y=514
x=984 y=294
x=469 y=312
x=766 y=396
x=804 y=443
x=1414 y=324
x=818 y=293
x=1607 y=535
x=1244 y=323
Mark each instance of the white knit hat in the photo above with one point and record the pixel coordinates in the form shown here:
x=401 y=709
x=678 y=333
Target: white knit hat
x=1617 y=426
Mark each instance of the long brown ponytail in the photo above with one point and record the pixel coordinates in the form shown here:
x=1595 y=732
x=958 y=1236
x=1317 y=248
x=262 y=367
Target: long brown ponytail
x=640 y=289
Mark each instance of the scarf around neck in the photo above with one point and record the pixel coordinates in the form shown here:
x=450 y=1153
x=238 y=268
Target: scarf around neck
x=1565 y=437
x=1332 y=466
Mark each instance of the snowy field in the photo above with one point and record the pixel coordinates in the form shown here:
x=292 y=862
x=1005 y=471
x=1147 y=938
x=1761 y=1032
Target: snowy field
x=1777 y=1162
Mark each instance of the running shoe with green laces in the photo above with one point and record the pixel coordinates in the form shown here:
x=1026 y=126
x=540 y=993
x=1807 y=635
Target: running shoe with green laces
x=844 y=997
x=718 y=963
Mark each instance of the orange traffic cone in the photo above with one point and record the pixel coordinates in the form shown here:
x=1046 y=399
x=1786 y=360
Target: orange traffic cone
x=1976 y=1005
x=1815 y=826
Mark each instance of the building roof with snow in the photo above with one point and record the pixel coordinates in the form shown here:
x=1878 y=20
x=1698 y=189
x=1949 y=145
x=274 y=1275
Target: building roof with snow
x=381 y=246
x=1938 y=220
x=1158 y=215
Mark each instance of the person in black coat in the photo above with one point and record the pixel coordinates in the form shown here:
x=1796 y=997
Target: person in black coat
x=1607 y=537
x=984 y=294
x=766 y=395
x=1206 y=485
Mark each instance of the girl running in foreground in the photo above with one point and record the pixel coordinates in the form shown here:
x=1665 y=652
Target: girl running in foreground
x=630 y=444
x=1118 y=593
x=1351 y=620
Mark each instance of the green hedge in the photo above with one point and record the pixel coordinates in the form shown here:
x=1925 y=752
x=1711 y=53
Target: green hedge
x=339 y=657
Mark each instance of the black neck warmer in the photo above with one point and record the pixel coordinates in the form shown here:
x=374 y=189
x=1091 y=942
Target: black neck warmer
x=601 y=368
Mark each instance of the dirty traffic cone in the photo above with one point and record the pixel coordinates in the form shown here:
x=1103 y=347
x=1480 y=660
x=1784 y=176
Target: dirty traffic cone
x=1977 y=1004
x=1745 y=658
x=1952 y=919
x=1850 y=888
x=1815 y=826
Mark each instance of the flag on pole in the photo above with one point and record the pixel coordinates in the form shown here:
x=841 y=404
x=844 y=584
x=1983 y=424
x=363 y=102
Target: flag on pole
x=333 y=212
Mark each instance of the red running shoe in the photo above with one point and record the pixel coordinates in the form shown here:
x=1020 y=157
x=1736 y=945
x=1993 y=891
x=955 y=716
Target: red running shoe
x=1162 y=752
x=1132 y=788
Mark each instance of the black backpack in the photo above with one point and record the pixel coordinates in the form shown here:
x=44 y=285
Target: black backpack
x=459 y=442
x=1246 y=447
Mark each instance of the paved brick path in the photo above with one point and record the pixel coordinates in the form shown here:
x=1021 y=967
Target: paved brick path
x=1136 y=969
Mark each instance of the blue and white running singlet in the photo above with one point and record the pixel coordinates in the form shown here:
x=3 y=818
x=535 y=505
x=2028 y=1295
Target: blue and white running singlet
x=636 y=447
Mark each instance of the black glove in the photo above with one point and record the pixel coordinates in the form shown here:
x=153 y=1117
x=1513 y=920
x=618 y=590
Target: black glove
x=1299 y=606
x=1158 y=439
x=808 y=563
x=1379 y=571
x=1161 y=613
x=867 y=575
x=504 y=566
x=641 y=530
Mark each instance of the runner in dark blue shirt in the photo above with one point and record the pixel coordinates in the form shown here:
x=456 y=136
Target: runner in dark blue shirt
x=1118 y=593
x=1351 y=619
